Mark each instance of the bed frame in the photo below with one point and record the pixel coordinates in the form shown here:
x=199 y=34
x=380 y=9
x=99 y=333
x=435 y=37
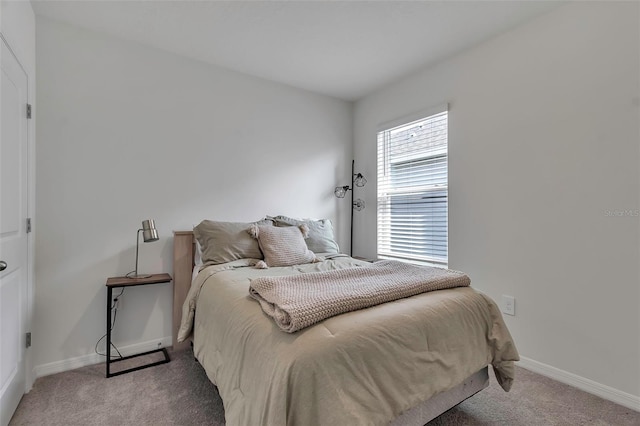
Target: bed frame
x=183 y=263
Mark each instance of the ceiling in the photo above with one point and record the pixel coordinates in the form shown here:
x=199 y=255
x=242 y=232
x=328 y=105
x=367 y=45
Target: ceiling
x=344 y=49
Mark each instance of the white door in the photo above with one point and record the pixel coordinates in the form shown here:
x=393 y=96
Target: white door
x=13 y=236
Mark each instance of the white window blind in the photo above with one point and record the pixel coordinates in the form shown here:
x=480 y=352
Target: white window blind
x=412 y=191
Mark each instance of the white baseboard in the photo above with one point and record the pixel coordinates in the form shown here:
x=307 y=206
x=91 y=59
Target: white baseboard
x=90 y=359
x=603 y=391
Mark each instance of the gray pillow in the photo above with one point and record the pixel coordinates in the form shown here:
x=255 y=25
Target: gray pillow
x=223 y=242
x=320 y=239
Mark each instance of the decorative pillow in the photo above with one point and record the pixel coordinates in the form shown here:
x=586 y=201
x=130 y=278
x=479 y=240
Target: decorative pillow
x=320 y=238
x=282 y=246
x=223 y=242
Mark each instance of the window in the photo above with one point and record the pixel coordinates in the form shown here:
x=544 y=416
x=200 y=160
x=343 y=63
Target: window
x=412 y=191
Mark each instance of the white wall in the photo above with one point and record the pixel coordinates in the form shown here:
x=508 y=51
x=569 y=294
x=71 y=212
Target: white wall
x=128 y=133
x=18 y=27
x=544 y=141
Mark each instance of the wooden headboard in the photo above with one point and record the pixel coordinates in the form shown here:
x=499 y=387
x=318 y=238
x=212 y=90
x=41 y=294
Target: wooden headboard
x=183 y=261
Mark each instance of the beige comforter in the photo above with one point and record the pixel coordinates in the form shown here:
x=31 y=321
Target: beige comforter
x=359 y=368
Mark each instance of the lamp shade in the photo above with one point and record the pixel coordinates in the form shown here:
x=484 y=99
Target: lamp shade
x=149 y=231
x=341 y=191
x=359 y=180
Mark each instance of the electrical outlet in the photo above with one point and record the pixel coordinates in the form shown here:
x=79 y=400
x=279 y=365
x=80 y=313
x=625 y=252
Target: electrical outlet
x=508 y=305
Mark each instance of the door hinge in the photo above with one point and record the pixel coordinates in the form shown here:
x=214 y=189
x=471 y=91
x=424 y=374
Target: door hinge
x=28 y=111
x=28 y=225
x=28 y=340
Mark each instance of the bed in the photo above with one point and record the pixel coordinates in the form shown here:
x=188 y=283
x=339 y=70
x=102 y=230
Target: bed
x=403 y=362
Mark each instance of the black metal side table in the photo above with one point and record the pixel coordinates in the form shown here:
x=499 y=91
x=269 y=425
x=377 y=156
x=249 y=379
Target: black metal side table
x=122 y=282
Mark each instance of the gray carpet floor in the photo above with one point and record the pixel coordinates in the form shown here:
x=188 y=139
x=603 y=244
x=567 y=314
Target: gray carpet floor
x=179 y=393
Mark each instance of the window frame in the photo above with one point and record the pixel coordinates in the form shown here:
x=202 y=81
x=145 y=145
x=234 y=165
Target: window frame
x=389 y=126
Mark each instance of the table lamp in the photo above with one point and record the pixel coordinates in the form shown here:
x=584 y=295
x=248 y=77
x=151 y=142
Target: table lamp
x=149 y=235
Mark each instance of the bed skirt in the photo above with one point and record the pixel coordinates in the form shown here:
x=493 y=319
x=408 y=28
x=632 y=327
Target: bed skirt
x=438 y=404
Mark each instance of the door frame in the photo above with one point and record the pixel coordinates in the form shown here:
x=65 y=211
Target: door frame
x=31 y=175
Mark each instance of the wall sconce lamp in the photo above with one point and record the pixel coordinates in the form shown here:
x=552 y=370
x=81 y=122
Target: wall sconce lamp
x=149 y=235
x=341 y=191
